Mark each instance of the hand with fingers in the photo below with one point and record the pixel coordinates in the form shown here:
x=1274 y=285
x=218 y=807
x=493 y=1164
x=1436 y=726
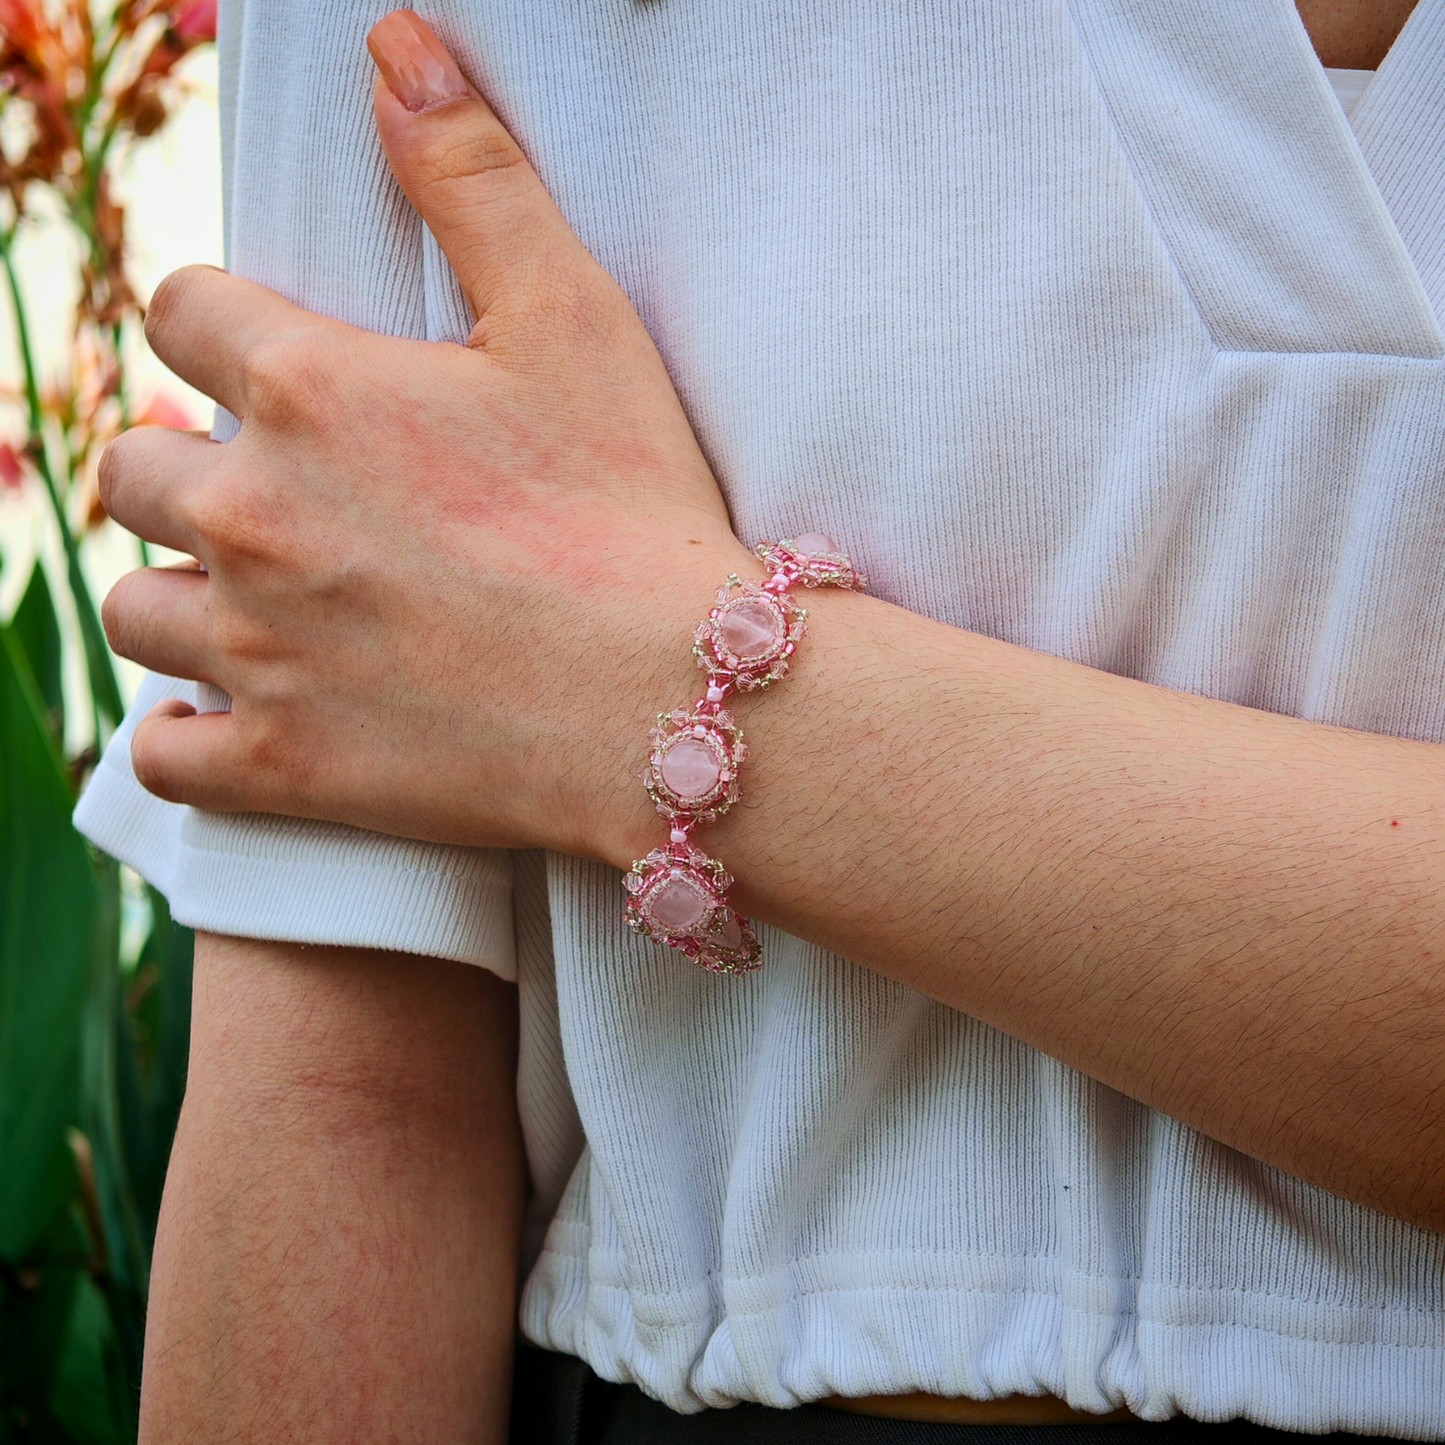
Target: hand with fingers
x=444 y=585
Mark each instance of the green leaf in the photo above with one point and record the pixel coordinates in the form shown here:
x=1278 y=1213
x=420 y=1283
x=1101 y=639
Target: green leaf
x=60 y=1373
x=38 y=633
x=152 y=1053
x=47 y=935
x=126 y=1249
x=37 y=1304
x=88 y=1388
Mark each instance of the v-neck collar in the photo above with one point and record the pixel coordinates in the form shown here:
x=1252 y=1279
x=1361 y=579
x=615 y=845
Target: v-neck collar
x=1255 y=177
x=1400 y=126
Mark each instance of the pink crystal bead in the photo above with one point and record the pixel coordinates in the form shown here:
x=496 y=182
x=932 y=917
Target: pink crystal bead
x=814 y=559
x=751 y=629
x=731 y=947
x=730 y=935
x=690 y=768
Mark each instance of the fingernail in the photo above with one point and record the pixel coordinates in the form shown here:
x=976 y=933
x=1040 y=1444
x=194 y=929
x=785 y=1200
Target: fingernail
x=413 y=62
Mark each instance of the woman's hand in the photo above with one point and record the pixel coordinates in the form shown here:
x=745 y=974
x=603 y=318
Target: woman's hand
x=430 y=571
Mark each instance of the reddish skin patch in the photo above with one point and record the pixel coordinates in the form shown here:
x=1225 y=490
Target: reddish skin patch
x=1394 y=822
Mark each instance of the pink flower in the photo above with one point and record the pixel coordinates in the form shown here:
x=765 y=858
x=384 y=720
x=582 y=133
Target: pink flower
x=21 y=24
x=162 y=411
x=12 y=467
x=194 y=21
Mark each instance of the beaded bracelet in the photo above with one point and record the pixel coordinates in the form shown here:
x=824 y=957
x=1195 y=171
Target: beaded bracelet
x=678 y=895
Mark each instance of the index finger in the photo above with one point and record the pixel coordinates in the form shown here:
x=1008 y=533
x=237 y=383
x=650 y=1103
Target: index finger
x=208 y=326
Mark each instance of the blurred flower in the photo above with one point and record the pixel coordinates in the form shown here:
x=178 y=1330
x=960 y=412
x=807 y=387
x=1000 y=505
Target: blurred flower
x=12 y=467
x=89 y=407
x=149 y=114
x=20 y=22
x=89 y=514
x=41 y=64
x=147 y=100
x=47 y=52
x=81 y=81
x=194 y=21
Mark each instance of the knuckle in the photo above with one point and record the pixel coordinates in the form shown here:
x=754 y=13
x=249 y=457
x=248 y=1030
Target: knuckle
x=272 y=757
x=472 y=153
x=558 y=309
x=288 y=378
x=111 y=470
x=267 y=751
x=495 y=152
x=143 y=765
x=236 y=525
x=111 y=617
x=232 y=635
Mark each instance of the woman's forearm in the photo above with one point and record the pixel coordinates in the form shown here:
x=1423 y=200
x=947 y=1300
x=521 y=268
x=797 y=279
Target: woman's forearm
x=336 y=1259
x=1236 y=917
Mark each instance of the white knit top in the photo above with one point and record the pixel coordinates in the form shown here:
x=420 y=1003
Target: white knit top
x=1090 y=324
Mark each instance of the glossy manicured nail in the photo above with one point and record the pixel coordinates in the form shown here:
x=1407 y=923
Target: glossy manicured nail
x=414 y=64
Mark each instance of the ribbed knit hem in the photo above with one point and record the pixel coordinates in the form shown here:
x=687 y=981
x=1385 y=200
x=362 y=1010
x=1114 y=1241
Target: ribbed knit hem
x=124 y=820
x=1212 y=1356
x=385 y=903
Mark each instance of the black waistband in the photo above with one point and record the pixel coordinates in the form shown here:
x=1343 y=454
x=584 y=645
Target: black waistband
x=557 y=1400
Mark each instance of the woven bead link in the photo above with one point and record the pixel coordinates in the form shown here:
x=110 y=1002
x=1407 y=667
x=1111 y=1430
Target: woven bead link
x=678 y=895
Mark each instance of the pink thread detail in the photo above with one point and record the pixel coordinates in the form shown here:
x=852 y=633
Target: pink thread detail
x=678 y=895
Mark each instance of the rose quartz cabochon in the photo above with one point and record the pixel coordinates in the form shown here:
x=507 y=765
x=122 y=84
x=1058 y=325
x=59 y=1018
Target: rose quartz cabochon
x=677 y=905
x=751 y=629
x=690 y=768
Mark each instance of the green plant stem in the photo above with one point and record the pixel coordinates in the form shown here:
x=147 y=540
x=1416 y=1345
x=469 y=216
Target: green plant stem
x=126 y=1277
x=122 y=395
x=122 y=392
x=104 y=689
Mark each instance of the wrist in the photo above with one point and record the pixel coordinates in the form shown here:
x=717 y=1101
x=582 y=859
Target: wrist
x=755 y=634
x=607 y=814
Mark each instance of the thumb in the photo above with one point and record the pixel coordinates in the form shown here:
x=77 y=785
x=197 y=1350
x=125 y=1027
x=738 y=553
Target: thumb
x=469 y=180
